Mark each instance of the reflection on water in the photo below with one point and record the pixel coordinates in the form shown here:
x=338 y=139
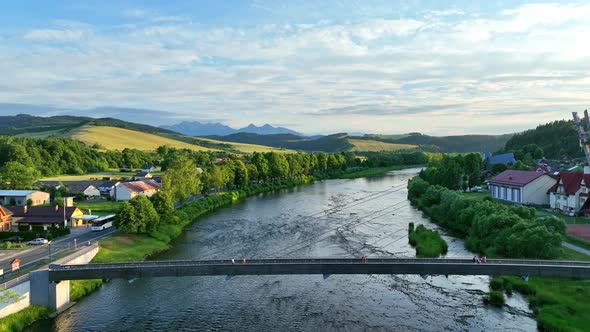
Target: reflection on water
x=350 y=218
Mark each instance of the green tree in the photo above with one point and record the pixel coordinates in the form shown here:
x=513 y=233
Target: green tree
x=127 y=219
x=15 y=175
x=148 y=218
x=261 y=164
x=279 y=167
x=181 y=179
x=240 y=173
x=163 y=203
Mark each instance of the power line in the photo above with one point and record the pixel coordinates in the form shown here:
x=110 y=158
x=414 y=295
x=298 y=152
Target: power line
x=336 y=209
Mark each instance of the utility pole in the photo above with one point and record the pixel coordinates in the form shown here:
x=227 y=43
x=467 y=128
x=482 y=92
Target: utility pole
x=583 y=128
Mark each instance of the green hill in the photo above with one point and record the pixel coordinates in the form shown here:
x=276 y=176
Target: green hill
x=114 y=134
x=555 y=138
x=459 y=143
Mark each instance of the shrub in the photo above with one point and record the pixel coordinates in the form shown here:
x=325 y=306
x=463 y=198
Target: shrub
x=495 y=298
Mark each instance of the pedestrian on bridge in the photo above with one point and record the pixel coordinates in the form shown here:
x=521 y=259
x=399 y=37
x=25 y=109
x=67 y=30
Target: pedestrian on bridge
x=233 y=261
x=244 y=260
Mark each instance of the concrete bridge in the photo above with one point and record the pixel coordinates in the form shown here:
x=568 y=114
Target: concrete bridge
x=324 y=266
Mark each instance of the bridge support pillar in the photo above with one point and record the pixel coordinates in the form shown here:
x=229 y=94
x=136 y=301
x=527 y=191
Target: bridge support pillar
x=55 y=295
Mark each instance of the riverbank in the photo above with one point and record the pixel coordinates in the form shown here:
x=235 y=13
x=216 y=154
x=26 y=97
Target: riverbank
x=19 y=320
x=558 y=304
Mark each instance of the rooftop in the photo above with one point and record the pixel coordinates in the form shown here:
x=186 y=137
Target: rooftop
x=16 y=192
x=516 y=178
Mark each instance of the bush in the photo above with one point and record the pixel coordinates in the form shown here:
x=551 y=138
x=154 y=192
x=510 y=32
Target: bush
x=495 y=298
x=7 y=245
x=428 y=243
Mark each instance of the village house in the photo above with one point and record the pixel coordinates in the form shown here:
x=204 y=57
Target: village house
x=5 y=219
x=148 y=168
x=20 y=197
x=570 y=192
x=140 y=176
x=504 y=158
x=125 y=191
x=47 y=216
x=87 y=190
x=107 y=188
x=521 y=187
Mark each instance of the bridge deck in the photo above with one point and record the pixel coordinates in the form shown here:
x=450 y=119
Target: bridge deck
x=292 y=266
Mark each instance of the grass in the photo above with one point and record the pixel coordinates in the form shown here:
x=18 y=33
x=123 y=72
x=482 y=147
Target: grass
x=428 y=242
x=128 y=247
x=247 y=148
x=113 y=138
x=370 y=145
x=93 y=176
x=475 y=195
x=568 y=220
x=376 y=171
x=577 y=242
x=19 y=320
x=81 y=288
x=100 y=207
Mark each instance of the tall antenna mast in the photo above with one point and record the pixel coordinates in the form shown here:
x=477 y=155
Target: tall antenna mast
x=583 y=128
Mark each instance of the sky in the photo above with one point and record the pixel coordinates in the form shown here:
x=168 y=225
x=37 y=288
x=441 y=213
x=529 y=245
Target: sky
x=436 y=67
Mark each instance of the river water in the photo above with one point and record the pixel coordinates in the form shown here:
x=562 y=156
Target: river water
x=349 y=218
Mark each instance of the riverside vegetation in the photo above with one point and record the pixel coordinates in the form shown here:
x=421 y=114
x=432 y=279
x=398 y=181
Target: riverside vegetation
x=428 y=242
x=499 y=230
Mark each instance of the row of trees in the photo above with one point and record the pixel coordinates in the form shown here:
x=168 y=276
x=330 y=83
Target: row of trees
x=454 y=172
x=491 y=228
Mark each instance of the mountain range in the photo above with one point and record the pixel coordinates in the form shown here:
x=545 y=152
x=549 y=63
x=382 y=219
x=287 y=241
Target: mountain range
x=196 y=128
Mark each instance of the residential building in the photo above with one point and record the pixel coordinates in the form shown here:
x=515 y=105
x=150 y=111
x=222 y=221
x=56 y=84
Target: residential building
x=142 y=176
x=148 y=168
x=570 y=192
x=47 y=216
x=87 y=190
x=521 y=187
x=20 y=197
x=125 y=191
x=5 y=219
x=107 y=188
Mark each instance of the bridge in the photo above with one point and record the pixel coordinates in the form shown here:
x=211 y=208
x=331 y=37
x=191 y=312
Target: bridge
x=323 y=266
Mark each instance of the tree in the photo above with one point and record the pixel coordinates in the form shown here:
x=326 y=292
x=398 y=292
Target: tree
x=181 y=179
x=15 y=175
x=127 y=219
x=279 y=167
x=163 y=203
x=261 y=164
x=498 y=168
x=240 y=173
x=148 y=218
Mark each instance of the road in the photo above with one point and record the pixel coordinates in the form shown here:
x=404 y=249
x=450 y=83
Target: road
x=40 y=253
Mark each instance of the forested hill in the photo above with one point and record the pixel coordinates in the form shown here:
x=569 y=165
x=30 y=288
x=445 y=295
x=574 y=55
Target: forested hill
x=556 y=138
x=26 y=124
x=461 y=143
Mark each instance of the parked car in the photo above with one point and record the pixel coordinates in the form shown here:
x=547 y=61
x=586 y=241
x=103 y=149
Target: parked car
x=38 y=241
x=14 y=239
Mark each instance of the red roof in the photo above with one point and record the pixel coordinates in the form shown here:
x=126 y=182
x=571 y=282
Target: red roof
x=516 y=178
x=141 y=186
x=571 y=182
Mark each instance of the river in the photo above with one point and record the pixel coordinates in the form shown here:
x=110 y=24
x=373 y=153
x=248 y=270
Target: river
x=351 y=218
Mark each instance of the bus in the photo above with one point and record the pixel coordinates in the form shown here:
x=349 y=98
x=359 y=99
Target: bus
x=102 y=223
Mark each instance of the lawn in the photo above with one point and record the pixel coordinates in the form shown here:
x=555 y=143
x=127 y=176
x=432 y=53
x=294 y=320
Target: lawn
x=99 y=207
x=113 y=138
x=568 y=220
x=475 y=195
x=128 y=247
x=370 y=145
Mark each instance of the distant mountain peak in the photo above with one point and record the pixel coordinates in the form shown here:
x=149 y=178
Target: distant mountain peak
x=196 y=128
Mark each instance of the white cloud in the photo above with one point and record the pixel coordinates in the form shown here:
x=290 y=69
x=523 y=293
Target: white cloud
x=58 y=35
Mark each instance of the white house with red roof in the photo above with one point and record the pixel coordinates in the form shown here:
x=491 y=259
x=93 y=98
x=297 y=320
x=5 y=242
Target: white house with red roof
x=522 y=187
x=125 y=191
x=570 y=192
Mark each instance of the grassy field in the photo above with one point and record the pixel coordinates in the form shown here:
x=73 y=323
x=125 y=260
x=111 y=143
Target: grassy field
x=99 y=207
x=249 y=148
x=113 y=138
x=99 y=176
x=370 y=145
x=128 y=247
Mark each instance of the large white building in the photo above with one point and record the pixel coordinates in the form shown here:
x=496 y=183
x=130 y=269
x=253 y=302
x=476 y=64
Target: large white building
x=125 y=191
x=522 y=187
x=20 y=197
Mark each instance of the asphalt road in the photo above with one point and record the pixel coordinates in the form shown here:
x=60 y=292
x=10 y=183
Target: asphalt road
x=39 y=254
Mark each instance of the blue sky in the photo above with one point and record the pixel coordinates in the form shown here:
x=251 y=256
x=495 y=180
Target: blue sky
x=438 y=67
